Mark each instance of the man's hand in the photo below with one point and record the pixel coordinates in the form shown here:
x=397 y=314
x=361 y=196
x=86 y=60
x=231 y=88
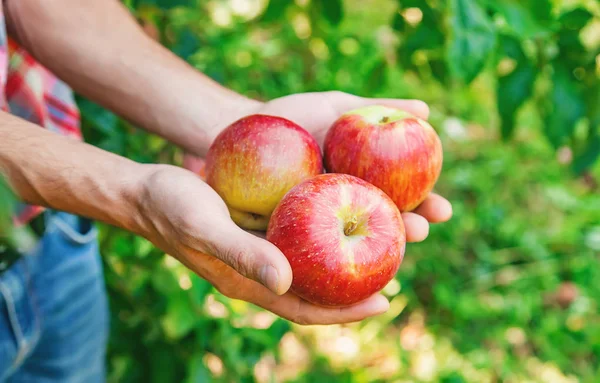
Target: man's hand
x=140 y=80
x=316 y=112
x=188 y=220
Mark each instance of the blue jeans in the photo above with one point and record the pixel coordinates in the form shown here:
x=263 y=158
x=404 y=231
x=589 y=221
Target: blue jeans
x=53 y=308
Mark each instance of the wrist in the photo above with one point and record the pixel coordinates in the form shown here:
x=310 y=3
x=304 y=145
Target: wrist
x=150 y=196
x=220 y=109
x=133 y=217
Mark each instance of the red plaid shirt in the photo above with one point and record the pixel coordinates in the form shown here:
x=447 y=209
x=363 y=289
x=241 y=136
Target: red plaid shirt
x=30 y=91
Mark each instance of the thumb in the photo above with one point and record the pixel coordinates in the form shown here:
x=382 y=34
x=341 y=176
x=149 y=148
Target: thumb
x=252 y=257
x=344 y=102
x=416 y=107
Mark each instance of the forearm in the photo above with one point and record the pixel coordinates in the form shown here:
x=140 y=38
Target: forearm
x=49 y=170
x=98 y=49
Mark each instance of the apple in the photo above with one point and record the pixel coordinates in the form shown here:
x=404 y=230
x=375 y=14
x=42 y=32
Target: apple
x=394 y=150
x=343 y=237
x=256 y=160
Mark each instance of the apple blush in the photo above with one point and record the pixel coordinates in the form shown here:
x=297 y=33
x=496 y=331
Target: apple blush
x=343 y=237
x=256 y=160
x=399 y=153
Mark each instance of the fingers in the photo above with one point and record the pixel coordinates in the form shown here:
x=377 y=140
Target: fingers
x=289 y=305
x=435 y=209
x=297 y=310
x=344 y=102
x=251 y=256
x=416 y=107
x=417 y=227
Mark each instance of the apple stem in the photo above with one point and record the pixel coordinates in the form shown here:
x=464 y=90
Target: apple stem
x=385 y=120
x=350 y=226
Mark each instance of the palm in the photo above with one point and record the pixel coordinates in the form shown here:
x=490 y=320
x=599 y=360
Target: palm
x=315 y=112
x=289 y=306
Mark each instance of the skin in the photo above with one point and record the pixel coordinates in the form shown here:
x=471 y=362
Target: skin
x=100 y=51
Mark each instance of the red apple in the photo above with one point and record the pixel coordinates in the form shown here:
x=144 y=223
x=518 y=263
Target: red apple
x=256 y=160
x=343 y=237
x=390 y=148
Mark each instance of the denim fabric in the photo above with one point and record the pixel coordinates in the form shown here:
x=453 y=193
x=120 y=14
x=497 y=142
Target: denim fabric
x=53 y=308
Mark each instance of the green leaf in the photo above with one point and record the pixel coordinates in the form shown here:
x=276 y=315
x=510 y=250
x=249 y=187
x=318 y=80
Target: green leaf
x=275 y=11
x=426 y=36
x=197 y=371
x=575 y=19
x=200 y=288
x=398 y=22
x=588 y=156
x=573 y=53
x=566 y=107
x=7 y=206
x=100 y=118
x=541 y=9
x=472 y=39
x=333 y=10
x=180 y=318
x=376 y=76
x=439 y=69
x=164 y=281
x=514 y=88
x=163 y=365
x=520 y=18
x=187 y=44
x=511 y=47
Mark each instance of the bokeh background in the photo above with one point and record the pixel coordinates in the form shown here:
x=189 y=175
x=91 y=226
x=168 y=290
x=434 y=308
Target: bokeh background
x=508 y=291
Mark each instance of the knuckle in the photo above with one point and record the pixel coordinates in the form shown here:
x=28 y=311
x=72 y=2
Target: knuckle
x=240 y=259
x=299 y=315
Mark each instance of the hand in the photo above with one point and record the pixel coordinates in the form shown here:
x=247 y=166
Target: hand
x=324 y=109
x=187 y=219
x=315 y=112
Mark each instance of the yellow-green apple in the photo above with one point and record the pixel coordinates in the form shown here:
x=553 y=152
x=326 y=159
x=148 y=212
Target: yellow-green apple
x=399 y=153
x=253 y=162
x=343 y=237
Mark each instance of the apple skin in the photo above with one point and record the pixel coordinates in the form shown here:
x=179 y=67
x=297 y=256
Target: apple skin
x=256 y=160
x=399 y=153
x=343 y=237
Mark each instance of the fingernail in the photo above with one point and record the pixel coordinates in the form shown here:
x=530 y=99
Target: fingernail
x=270 y=278
x=381 y=305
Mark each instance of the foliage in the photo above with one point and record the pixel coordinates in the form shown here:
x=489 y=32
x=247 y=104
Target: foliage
x=507 y=291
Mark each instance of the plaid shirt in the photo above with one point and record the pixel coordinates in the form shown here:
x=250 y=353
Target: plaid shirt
x=30 y=91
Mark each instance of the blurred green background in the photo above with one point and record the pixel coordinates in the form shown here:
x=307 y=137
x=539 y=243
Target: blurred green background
x=507 y=291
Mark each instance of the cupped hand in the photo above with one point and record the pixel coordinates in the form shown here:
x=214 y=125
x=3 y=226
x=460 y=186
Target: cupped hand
x=316 y=112
x=184 y=217
x=232 y=259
